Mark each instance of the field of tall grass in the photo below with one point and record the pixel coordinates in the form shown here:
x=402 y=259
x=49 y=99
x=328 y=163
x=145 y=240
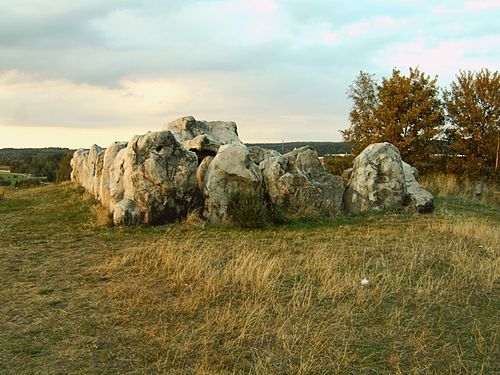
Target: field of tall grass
x=79 y=296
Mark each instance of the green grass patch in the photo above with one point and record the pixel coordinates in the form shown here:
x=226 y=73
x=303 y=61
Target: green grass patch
x=12 y=178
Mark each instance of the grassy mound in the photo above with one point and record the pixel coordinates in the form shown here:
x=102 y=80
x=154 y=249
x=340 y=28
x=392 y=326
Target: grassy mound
x=81 y=297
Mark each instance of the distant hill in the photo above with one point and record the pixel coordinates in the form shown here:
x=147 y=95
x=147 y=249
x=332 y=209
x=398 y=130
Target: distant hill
x=10 y=154
x=323 y=148
x=34 y=161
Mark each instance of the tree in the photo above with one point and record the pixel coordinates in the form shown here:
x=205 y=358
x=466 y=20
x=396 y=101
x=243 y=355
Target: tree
x=364 y=126
x=473 y=113
x=403 y=110
x=63 y=170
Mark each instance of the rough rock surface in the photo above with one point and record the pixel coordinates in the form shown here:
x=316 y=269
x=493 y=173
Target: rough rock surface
x=79 y=165
x=259 y=154
x=230 y=171
x=299 y=178
x=116 y=173
x=203 y=145
x=421 y=199
x=126 y=212
x=160 y=177
x=203 y=137
x=202 y=170
x=109 y=179
x=92 y=168
x=87 y=168
x=377 y=180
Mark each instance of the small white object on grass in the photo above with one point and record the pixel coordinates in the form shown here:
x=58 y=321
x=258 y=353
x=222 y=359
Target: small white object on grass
x=365 y=282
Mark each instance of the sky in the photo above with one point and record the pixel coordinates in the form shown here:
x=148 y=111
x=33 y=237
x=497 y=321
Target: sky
x=75 y=73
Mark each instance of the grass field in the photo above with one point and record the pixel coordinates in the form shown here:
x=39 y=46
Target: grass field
x=13 y=177
x=80 y=298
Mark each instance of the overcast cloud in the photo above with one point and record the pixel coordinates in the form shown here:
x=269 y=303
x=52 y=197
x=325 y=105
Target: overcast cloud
x=83 y=72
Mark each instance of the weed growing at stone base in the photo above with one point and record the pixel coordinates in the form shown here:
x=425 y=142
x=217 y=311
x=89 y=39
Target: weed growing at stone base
x=247 y=209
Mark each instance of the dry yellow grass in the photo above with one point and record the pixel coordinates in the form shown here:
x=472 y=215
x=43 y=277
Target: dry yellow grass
x=291 y=303
x=193 y=298
x=101 y=215
x=446 y=185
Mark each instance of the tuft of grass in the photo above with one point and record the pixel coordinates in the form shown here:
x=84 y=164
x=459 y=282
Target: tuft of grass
x=194 y=219
x=101 y=216
x=2 y=193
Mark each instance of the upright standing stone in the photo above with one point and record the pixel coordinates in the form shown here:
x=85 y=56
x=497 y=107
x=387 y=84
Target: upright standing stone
x=299 y=177
x=377 y=181
x=231 y=170
x=160 y=177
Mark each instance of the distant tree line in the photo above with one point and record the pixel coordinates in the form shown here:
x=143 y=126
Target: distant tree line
x=52 y=163
x=455 y=130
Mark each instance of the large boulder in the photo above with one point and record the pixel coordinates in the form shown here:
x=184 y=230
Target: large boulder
x=116 y=176
x=92 y=170
x=230 y=171
x=377 y=180
x=110 y=178
x=203 y=137
x=79 y=165
x=87 y=168
x=421 y=200
x=299 y=179
x=160 y=177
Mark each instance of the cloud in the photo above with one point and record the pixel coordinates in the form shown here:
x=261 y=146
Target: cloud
x=482 y=5
x=280 y=69
x=444 y=58
x=33 y=101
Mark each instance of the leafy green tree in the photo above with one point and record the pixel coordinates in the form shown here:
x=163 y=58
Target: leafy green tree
x=63 y=170
x=364 y=127
x=473 y=113
x=403 y=110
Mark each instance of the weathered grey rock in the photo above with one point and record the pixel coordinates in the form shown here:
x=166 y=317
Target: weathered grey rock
x=116 y=175
x=258 y=154
x=346 y=175
x=79 y=165
x=230 y=171
x=422 y=201
x=126 y=212
x=203 y=145
x=202 y=170
x=377 y=180
x=92 y=168
x=299 y=178
x=87 y=168
x=203 y=137
x=160 y=177
x=109 y=179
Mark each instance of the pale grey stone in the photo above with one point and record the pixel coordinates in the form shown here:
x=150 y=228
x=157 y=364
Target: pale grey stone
x=230 y=171
x=421 y=200
x=377 y=180
x=299 y=178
